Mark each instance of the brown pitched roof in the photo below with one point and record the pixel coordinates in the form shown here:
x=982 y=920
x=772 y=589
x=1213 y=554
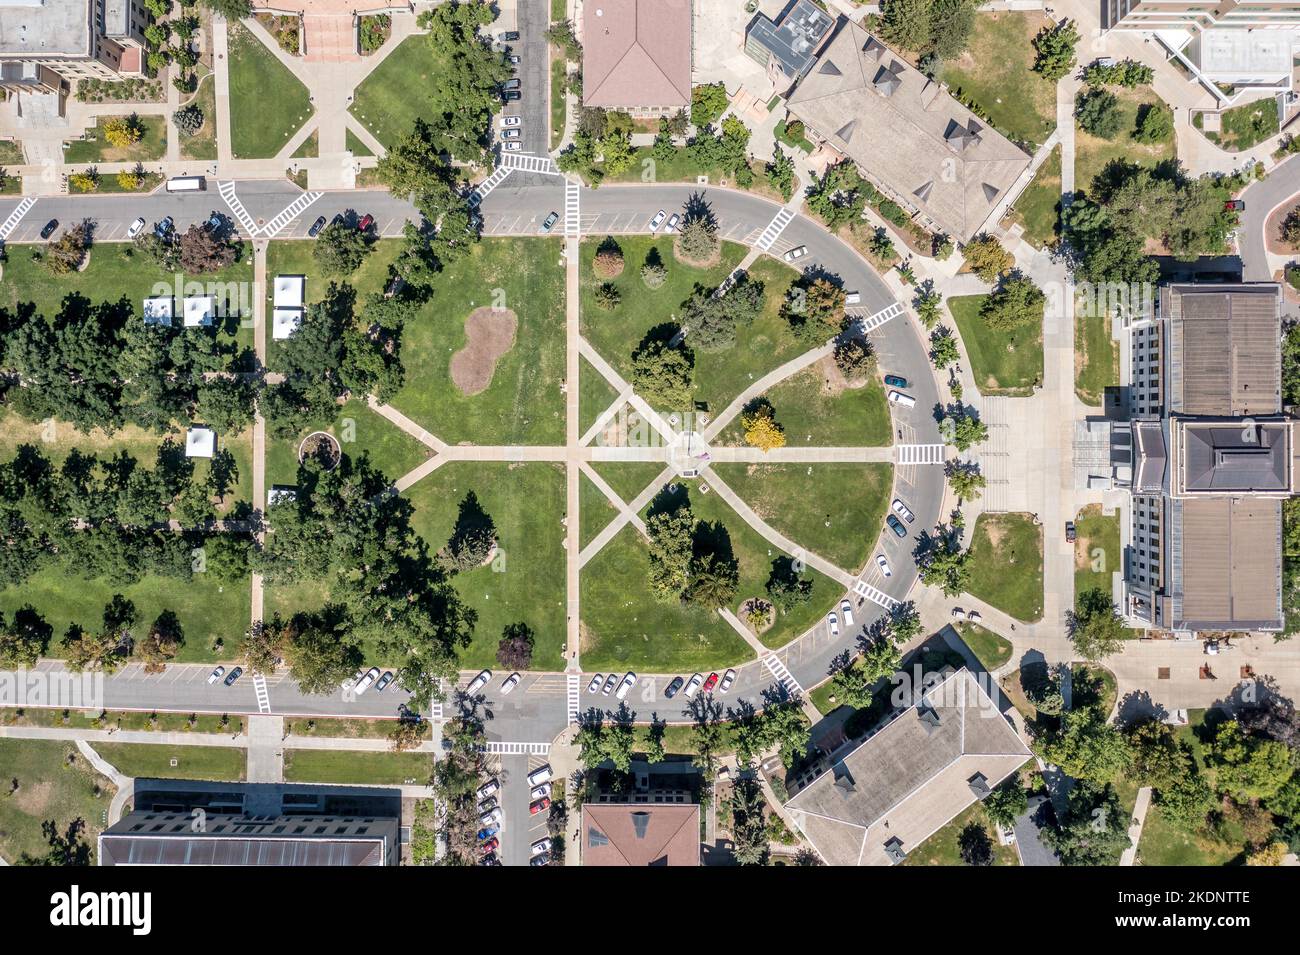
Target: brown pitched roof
x=640 y=834
x=636 y=53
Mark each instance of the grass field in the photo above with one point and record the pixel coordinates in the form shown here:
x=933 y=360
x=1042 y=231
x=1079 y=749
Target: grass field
x=996 y=72
x=203 y=144
x=851 y=498
x=1003 y=362
x=11 y=153
x=989 y=648
x=309 y=148
x=595 y=394
x=328 y=766
x=355 y=146
x=122 y=720
x=49 y=789
x=525 y=583
x=628 y=478
x=624 y=627
x=1097 y=550
x=719 y=376
x=1007 y=564
x=262 y=121
x=360 y=432
x=559 y=83
x=943 y=848
x=816 y=410
x=1092 y=153
x=94 y=148
x=1039 y=206
x=1244 y=126
x=395 y=94
x=595 y=511
x=1096 y=359
x=154 y=760
x=207 y=609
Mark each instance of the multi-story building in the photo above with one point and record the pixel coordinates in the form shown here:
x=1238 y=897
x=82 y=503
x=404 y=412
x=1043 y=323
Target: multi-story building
x=788 y=45
x=46 y=44
x=1237 y=49
x=1207 y=456
x=636 y=56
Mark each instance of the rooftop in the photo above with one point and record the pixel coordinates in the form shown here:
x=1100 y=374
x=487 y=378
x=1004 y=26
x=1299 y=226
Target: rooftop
x=1235 y=457
x=45 y=28
x=200 y=443
x=940 y=158
x=636 y=53
x=908 y=780
x=640 y=834
x=1227 y=571
x=794 y=37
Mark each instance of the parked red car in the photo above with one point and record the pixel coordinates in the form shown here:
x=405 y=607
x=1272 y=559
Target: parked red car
x=711 y=682
x=366 y=222
x=540 y=805
x=490 y=846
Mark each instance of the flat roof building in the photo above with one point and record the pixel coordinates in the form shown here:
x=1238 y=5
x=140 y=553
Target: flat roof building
x=788 y=45
x=200 y=443
x=920 y=146
x=199 y=310
x=159 y=310
x=636 y=55
x=46 y=43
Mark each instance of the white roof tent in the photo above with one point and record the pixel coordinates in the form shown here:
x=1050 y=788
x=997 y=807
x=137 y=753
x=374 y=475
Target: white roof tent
x=284 y=321
x=200 y=443
x=289 y=291
x=200 y=310
x=159 y=310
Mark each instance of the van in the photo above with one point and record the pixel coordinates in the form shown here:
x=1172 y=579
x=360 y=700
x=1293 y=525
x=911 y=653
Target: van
x=540 y=775
x=898 y=398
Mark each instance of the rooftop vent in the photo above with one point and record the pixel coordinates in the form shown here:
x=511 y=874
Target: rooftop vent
x=923 y=193
x=596 y=838
x=894 y=850
x=846 y=131
x=979 y=785
x=929 y=717
x=888 y=79
x=640 y=823
x=990 y=192
x=829 y=69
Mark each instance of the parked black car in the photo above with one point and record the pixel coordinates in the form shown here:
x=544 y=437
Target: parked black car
x=316 y=227
x=49 y=228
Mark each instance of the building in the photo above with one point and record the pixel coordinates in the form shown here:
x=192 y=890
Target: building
x=47 y=44
x=287 y=305
x=787 y=47
x=640 y=834
x=1239 y=50
x=159 y=310
x=877 y=800
x=199 y=310
x=200 y=442
x=177 y=822
x=943 y=164
x=636 y=55
x=1211 y=459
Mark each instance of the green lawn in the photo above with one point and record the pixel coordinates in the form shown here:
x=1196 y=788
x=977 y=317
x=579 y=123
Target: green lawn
x=1003 y=362
x=355 y=145
x=1039 y=207
x=799 y=500
x=595 y=394
x=49 y=789
x=989 y=648
x=526 y=582
x=1096 y=358
x=628 y=478
x=595 y=511
x=624 y=627
x=1244 y=126
x=11 y=153
x=151 y=147
x=122 y=720
x=818 y=410
x=942 y=848
x=360 y=432
x=996 y=73
x=330 y=766
x=154 y=760
x=719 y=376
x=783 y=134
x=1092 y=154
x=559 y=84
x=267 y=102
x=524 y=403
x=309 y=148
x=208 y=610
x=399 y=90
x=1097 y=550
x=203 y=144
x=1007 y=564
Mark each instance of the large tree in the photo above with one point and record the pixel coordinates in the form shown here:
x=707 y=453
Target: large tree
x=1096 y=629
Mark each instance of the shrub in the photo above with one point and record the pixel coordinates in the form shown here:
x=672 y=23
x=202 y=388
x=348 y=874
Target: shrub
x=986 y=257
x=1098 y=113
x=123 y=131
x=607 y=297
x=653 y=275
x=1155 y=124
x=87 y=181
x=374 y=32
x=854 y=357
x=188 y=120
x=608 y=263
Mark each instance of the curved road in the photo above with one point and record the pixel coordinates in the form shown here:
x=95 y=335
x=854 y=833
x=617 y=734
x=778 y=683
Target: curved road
x=538 y=710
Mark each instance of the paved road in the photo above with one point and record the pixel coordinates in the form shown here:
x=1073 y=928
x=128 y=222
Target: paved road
x=537 y=711
x=1261 y=199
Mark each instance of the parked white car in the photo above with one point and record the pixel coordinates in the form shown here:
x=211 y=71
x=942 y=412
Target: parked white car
x=626 y=684
x=513 y=132
x=728 y=679
x=798 y=252
x=542 y=774
x=216 y=675
x=833 y=622
x=883 y=565
x=513 y=146
x=539 y=792
x=974 y=616
x=511 y=121
x=136 y=228
x=491 y=817
x=693 y=685
x=595 y=683
x=366 y=681
x=540 y=846
x=846 y=610
x=658 y=220
x=478 y=682
x=902 y=511
x=673 y=219
x=488 y=788
x=510 y=683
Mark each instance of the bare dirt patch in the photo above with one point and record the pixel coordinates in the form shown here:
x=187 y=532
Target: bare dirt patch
x=833 y=381
x=995 y=530
x=1273 y=228
x=489 y=334
x=34 y=797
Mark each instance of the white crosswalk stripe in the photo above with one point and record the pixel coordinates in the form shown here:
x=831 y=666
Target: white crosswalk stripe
x=572 y=209
x=573 y=681
x=526 y=162
x=263 y=697
x=782 y=674
x=872 y=322
x=864 y=589
x=16 y=217
x=291 y=212
x=516 y=749
x=227 y=190
x=484 y=188
x=774 y=229
x=921 y=453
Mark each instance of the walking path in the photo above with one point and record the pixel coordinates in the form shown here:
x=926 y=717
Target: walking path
x=236 y=740
x=1129 y=856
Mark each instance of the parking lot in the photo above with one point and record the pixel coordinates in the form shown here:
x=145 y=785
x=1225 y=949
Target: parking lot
x=519 y=829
